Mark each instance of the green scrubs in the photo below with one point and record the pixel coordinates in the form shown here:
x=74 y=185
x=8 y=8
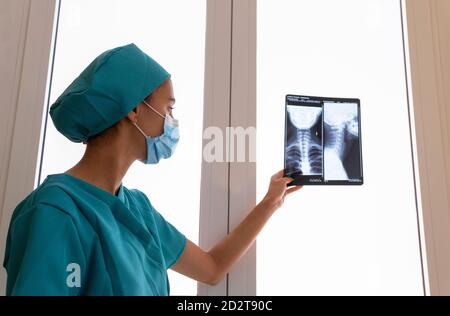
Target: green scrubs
x=121 y=244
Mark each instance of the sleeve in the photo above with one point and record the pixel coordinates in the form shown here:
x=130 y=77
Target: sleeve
x=173 y=241
x=45 y=255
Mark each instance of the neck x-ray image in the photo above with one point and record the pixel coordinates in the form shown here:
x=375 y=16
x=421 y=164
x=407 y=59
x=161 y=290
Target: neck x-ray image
x=322 y=140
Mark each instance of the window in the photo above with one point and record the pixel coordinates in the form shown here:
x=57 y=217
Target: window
x=177 y=41
x=338 y=240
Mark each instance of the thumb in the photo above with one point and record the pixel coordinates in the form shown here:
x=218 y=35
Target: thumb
x=293 y=189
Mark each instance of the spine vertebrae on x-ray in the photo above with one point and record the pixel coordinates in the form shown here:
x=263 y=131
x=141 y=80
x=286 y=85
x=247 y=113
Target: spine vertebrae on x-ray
x=339 y=130
x=305 y=151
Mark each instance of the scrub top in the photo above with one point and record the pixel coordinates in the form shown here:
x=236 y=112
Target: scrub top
x=69 y=237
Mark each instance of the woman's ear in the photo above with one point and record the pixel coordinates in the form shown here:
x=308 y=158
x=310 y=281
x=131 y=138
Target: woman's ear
x=133 y=115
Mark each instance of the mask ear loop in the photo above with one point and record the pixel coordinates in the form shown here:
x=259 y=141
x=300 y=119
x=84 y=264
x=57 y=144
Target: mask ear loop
x=151 y=108
x=140 y=129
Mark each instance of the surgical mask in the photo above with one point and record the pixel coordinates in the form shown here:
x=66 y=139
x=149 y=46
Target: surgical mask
x=164 y=145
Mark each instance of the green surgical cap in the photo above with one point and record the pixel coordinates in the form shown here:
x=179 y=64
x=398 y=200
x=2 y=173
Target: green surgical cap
x=106 y=91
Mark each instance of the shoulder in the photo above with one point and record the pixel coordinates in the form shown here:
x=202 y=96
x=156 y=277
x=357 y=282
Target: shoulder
x=53 y=195
x=45 y=214
x=46 y=198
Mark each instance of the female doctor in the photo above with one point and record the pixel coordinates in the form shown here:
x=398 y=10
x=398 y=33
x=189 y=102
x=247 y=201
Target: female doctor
x=82 y=232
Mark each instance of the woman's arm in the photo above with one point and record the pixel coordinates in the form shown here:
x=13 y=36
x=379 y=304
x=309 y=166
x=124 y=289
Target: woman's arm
x=211 y=266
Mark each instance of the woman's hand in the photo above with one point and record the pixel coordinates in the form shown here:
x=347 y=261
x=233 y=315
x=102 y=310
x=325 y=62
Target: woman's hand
x=278 y=190
x=211 y=266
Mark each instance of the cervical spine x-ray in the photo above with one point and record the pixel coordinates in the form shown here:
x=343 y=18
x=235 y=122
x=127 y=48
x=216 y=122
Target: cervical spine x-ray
x=322 y=141
x=304 y=150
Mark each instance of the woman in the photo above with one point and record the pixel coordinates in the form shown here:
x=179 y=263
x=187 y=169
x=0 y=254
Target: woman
x=82 y=232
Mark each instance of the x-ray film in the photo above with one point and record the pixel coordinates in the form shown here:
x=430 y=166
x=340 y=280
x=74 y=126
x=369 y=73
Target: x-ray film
x=323 y=141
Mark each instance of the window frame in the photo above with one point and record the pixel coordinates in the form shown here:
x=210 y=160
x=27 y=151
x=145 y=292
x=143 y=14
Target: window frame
x=427 y=55
x=31 y=38
x=230 y=101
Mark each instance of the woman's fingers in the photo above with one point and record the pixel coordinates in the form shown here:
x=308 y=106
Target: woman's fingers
x=279 y=176
x=278 y=188
x=291 y=190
